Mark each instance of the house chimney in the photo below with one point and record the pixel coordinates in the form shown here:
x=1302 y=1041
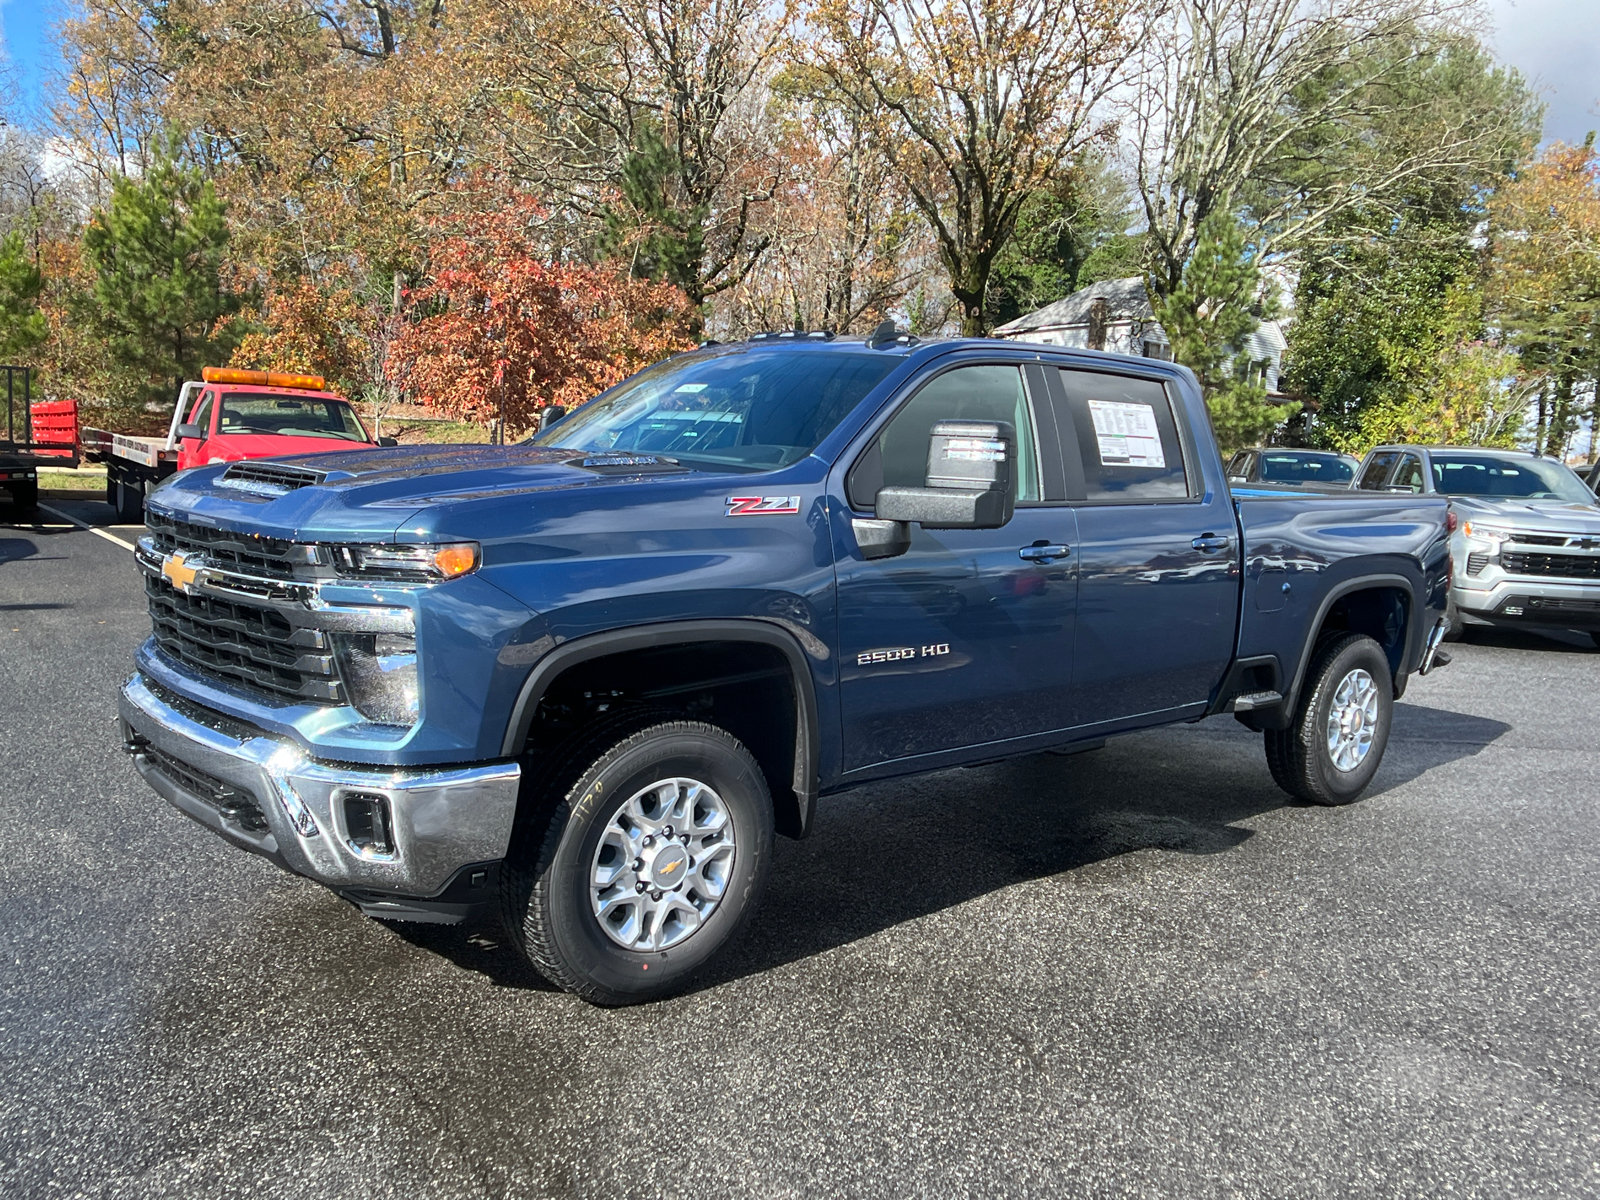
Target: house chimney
x=1099 y=318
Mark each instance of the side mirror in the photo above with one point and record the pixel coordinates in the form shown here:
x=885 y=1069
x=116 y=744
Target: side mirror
x=971 y=484
x=550 y=414
x=187 y=430
x=388 y=441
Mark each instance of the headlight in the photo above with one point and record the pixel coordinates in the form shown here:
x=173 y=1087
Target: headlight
x=380 y=669
x=1485 y=533
x=408 y=563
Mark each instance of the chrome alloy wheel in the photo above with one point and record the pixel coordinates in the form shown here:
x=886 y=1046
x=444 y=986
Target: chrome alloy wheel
x=1352 y=720
x=662 y=865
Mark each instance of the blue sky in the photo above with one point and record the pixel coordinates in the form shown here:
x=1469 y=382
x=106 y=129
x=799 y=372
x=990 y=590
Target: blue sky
x=1556 y=43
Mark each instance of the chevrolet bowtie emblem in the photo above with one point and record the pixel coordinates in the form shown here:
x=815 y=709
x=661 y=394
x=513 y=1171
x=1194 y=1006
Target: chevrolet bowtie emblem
x=178 y=572
x=670 y=868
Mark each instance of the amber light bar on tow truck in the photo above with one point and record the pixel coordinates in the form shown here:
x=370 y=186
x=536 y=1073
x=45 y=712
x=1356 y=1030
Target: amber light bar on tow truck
x=310 y=383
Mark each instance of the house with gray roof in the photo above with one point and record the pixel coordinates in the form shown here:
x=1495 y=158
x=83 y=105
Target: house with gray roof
x=1115 y=315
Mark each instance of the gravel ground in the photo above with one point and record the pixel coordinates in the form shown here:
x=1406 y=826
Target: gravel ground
x=1134 y=972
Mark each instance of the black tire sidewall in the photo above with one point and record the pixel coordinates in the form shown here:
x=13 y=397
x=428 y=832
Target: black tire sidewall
x=619 y=975
x=1340 y=785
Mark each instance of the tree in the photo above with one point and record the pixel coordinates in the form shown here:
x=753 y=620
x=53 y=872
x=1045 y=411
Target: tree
x=312 y=330
x=500 y=326
x=1544 y=282
x=22 y=326
x=1065 y=238
x=160 y=295
x=649 y=115
x=979 y=104
x=1209 y=318
x=1289 y=116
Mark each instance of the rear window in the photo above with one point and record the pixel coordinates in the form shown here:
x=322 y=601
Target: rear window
x=1127 y=435
x=289 y=416
x=1305 y=468
x=734 y=407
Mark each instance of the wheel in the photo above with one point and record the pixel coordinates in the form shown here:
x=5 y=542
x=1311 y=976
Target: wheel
x=1332 y=749
x=1594 y=636
x=1455 y=630
x=129 y=504
x=652 y=857
x=25 y=497
x=111 y=490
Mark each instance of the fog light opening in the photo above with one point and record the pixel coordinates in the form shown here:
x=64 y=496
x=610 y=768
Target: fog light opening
x=367 y=823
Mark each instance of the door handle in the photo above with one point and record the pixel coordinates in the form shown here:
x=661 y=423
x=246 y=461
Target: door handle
x=1210 y=541
x=1043 y=553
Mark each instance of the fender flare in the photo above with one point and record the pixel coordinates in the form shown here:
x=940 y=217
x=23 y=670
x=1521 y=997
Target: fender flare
x=807 y=749
x=1415 y=620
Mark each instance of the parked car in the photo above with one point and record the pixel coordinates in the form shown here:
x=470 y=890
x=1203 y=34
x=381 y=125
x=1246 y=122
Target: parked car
x=1527 y=549
x=578 y=683
x=1591 y=476
x=1277 y=466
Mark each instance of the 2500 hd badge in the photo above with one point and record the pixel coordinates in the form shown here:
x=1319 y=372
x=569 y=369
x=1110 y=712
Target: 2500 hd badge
x=868 y=658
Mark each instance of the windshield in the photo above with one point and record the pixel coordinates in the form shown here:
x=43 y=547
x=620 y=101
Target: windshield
x=289 y=416
x=1513 y=478
x=1279 y=467
x=746 y=409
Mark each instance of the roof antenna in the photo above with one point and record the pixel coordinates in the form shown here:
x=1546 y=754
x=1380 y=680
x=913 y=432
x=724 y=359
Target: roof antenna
x=883 y=335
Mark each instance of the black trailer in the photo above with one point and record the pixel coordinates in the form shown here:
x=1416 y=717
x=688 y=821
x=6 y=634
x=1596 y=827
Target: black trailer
x=21 y=455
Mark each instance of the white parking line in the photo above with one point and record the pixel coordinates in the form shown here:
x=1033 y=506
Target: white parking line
x=55 y=512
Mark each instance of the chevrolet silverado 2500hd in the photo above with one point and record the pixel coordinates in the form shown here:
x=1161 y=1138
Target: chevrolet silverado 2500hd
x=581 y=682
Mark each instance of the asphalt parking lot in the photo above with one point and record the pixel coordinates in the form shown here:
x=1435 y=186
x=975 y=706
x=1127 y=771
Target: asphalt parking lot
x=1135 y=972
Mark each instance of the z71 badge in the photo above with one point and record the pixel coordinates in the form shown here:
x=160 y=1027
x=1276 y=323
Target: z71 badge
x=762 y=506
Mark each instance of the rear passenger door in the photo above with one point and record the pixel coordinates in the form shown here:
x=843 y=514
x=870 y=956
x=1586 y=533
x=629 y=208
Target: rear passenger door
x=1158 y=576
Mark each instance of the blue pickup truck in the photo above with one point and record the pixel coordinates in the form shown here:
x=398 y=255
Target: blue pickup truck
x=579 y=684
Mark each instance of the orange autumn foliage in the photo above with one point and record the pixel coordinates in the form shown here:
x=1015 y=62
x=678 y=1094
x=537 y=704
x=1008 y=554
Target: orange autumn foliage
x=498 y=313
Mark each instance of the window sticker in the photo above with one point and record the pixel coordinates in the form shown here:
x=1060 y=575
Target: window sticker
x=691 y=388
x=1127 y=434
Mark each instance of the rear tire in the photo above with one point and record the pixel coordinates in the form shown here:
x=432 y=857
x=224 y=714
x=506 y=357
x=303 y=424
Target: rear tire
x=1455 y=630
x=25 y=498
x=599 y=898
x=129 y=504
x=1333 y=747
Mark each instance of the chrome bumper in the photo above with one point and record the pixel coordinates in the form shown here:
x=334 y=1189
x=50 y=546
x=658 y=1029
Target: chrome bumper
x=264 y=795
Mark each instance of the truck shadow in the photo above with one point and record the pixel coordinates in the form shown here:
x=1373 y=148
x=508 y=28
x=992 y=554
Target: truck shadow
x=889 y=853
x=1543 y=641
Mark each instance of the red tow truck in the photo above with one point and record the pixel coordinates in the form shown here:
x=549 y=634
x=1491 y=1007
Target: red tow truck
x=225 y=416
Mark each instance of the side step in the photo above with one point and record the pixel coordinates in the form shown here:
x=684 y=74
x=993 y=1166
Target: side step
x=1254 y=700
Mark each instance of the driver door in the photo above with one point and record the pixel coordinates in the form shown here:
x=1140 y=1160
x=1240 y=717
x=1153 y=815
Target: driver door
x=961 y=641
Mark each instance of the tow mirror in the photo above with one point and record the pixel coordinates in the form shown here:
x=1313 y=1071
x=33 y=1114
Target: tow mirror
x=550 y=414
x=187 y=430
x=970 y=484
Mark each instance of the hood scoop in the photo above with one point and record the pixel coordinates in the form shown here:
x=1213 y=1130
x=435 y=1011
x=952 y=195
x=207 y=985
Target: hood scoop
x=271 y=480
x=627 y=464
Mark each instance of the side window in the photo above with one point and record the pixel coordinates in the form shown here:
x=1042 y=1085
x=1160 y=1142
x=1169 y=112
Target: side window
x=202 y=412
x=899 y=458
x=1409 y=474
x=1239 y=466
x=1372 y=479
x=1127 y=435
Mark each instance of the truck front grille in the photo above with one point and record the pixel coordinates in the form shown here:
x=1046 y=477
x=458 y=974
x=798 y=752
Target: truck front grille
x=243 y=645
x=1567 y=566
x=248 y=553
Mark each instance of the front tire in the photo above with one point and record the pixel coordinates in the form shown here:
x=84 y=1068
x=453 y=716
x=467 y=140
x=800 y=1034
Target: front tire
x=648 y=852
x=1333 y=748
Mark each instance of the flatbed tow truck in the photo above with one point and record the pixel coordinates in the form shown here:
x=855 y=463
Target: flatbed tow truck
x=21 y=452
x=228 y=415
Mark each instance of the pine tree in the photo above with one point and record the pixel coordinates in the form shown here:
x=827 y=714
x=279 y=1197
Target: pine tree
x=1208 y=317
x=22 y=325
x=160 y=298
